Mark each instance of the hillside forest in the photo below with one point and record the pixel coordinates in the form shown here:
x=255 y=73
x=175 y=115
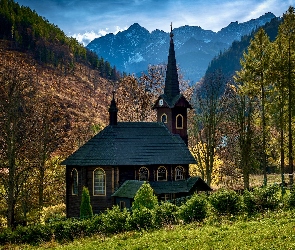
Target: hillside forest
x=55 y=94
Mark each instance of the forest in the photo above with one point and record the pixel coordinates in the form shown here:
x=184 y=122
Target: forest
x=54 y=96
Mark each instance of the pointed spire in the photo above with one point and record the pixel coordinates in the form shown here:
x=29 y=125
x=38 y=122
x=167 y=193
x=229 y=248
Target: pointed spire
x=171 y=82
x=113 y=110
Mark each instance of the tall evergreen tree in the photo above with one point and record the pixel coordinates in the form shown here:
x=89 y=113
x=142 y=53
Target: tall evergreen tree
x=85 y=208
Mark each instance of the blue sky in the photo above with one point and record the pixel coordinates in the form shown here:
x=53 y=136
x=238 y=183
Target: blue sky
x=87 y=19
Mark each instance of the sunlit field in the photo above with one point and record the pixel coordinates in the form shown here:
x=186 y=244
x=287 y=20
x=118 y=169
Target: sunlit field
x=272 y=230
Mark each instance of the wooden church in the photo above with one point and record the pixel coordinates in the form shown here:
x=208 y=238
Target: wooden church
x=119 y=159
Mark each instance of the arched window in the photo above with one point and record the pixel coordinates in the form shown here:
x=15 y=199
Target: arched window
x=164 y=118
x=99 y=182
x=179 y=122
x=143 y=174
x=162 y=174
x=74 y=182
x=179 y=173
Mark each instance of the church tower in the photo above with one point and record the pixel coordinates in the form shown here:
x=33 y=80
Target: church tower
x=172 y=106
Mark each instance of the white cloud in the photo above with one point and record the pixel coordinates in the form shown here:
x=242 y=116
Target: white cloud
x=87 y=37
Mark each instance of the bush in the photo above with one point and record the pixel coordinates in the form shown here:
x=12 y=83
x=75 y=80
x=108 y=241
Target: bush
x=145 y=198
x=71 y=229
x=165 y=214
x=142 y=218
x=195 y=209
x=114 y=220
x=53 y=213
x=85 y=208
x=261 y=198
x=291 y=198
x=225 y=202
x=31 y=235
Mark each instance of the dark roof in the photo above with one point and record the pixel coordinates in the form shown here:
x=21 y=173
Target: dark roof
x=177 y=101
x=132 y=143
x=129 y=188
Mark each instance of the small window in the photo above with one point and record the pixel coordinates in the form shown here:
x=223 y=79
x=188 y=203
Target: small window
x=98 y=182
x=179 y=122
x=74 y=182
x=165 y=197
x=162 y=174
x=122 y=205
x=143 y=174
x=179 y=173
x=164 y=118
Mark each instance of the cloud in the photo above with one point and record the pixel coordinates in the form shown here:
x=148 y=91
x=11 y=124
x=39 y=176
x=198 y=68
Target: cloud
x=88 y=19
x=87 y=37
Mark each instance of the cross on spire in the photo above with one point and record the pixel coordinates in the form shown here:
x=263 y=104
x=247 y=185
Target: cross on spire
x=171 y=34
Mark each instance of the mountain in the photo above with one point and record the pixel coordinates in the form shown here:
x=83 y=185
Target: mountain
x=229 y=60
x=134 y=49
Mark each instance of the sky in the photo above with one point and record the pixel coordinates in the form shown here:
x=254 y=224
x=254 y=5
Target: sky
x=88 y=19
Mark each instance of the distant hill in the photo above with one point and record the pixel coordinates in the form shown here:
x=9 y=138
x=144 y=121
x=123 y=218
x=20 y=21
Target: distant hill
x=229 y=60
x=29 y=32
x=66 y=76
x=82 y=97
x=134 y=49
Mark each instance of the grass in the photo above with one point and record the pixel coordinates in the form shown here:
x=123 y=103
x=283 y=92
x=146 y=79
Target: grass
x=272 y=230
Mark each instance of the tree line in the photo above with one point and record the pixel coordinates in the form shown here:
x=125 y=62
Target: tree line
x=244 y=124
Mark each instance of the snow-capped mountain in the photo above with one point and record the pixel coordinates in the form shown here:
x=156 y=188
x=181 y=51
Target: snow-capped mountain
x=132 y=50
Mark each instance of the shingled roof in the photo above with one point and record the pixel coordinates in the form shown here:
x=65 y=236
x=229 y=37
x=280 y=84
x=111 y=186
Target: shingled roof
x=129 y=188
x=133 y=144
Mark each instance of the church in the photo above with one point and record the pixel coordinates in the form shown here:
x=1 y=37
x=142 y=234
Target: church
x=119 y=159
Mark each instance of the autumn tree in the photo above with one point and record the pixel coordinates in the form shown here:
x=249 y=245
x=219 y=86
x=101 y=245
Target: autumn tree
x=16 y=111
x=136 y=95
x=208 y=107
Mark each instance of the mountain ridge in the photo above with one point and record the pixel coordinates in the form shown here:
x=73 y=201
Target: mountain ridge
x=132 y=50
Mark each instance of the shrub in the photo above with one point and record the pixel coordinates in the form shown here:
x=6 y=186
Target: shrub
x=249 y=202
x=31 y=235
x=145 y=198
x=225 y=202
x=70 y=229
x=195 y=209
x=291 y=198
x=142 y=218
x=85 y=208
x=114 y=220
x=53 y=213
x=166 y=213
x=261 y=198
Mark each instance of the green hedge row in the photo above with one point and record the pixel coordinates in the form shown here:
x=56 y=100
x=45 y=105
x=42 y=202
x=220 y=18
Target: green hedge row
x=196 y=208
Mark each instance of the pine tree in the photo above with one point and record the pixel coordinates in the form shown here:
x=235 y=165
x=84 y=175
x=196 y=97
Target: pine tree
x=85 y=208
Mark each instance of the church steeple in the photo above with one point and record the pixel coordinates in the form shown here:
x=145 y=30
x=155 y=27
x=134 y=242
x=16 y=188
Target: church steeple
x=113 y=110
x=172 y=106
x=171 y=82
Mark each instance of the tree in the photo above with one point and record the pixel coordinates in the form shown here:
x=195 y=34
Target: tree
x=253 y=77
x=145 y=198
x=242 y=113
x=85 y=208
x=279 y=103
x=16 y=111
x=286 y=36
x=137 y=94
x=208 y=108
